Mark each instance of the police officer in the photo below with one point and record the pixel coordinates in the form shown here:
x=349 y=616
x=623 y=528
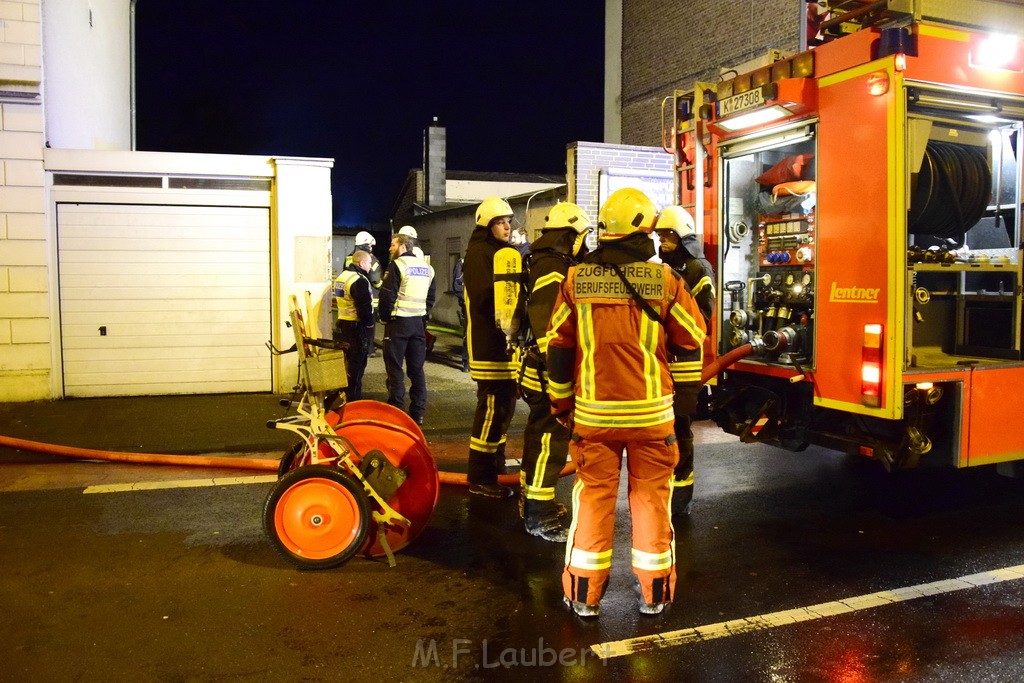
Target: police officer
x=681 y=249
x=355 y=319
x=410 y=232
x=490 y=363
x=406 y=296
x=608 y=377
x=546 y=442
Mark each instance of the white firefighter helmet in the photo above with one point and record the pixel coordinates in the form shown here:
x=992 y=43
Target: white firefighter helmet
x=677 y=219
x=408 y=231
x=625 y=212
x=567 y=215
x=363 y=237
x=491 y=208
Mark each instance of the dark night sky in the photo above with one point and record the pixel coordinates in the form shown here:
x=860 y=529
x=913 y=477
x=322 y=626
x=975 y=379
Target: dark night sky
x=513 y=83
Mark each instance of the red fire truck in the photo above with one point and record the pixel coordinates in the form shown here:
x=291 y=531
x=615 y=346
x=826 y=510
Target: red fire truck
x=861 y=202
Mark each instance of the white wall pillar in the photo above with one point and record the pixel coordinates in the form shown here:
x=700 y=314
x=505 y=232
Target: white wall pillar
x=301 y=250
x=87 y=59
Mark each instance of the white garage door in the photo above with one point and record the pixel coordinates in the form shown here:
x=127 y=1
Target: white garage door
x=164 y=299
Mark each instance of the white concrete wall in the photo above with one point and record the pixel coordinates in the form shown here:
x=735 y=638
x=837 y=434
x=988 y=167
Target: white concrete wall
x=24 y=284
x=302 y=212
x=87 y=58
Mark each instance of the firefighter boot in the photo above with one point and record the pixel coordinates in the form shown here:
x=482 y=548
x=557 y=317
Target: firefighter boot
x=682 y=494
x=490 y=490
x=649 y=609
x=547 y=519
x=582 y=609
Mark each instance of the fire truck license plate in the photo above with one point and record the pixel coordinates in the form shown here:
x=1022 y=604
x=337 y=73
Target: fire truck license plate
x=736 y=103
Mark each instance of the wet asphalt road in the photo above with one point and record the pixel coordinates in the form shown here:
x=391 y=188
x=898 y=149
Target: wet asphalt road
x=181 y=584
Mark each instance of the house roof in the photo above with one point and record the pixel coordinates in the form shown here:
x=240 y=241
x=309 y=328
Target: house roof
x=497 y=176
x=407 y=196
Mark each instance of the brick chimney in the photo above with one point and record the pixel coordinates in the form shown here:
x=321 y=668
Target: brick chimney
x=434 y=164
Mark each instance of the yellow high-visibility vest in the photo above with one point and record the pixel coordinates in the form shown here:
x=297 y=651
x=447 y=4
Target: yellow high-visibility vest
x=412 y=290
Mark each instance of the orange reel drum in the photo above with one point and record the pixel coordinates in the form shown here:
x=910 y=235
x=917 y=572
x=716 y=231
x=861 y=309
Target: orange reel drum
x=371 y=425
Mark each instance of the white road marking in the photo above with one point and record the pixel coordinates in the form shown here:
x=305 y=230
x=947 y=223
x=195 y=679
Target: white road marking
x=179 y=484
x=722 y=629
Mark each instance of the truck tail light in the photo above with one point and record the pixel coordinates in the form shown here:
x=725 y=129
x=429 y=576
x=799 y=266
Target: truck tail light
x=871 y=366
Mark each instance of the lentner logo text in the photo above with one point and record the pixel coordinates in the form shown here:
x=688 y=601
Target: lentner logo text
x=853 y=295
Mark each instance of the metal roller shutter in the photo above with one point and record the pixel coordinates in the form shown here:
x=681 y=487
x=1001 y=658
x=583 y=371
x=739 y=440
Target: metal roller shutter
x=164 y=299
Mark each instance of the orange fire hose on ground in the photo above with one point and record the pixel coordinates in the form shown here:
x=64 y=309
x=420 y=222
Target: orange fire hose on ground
x=140 y=458
x=271 y=465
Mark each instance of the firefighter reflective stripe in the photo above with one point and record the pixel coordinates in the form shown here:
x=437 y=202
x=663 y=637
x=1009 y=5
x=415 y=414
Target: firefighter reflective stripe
x=479 y=444
x=688 y=323
x=686 y=371
x=536 y=492
x=484 y=446
x=492 y=369
x=586 y=347
x=533 y=379
x=559 y=389
x=680 y=483
x=545 y=280
x=559 y=316
x=413 y=288
x=637 y=413
x=494 y=364
x=491 y=374
x=701 y=284
x=343 y=295
x=536 y=488
x=577 y=489
x=654 y=562
x=649 y=337
x=583 y=559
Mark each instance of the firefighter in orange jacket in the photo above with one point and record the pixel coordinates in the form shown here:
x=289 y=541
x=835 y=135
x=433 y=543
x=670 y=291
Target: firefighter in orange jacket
x=609 y=339
x=681 y=249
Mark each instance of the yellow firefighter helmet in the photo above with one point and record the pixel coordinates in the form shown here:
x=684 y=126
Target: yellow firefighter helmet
x=491 y=208
x=677 y=219
x=624 y=212
x=567 y=215
x=363 y=237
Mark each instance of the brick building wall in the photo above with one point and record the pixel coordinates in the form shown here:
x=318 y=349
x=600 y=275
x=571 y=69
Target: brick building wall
x=669 y=46
x=648 y=168
x=24 y=280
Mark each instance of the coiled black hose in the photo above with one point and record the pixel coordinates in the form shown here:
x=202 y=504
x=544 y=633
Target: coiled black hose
x=952 y=193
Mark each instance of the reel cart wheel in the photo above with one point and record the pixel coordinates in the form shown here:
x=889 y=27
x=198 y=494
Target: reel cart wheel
x=370 y=425
x=317 y=517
